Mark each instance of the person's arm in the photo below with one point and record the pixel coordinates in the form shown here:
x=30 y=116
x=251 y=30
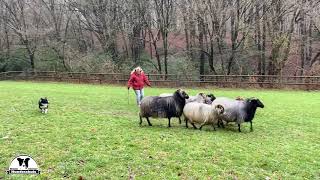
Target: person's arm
x=146 y=80
x=130 y=81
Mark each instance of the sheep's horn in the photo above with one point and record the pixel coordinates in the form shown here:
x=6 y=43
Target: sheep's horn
x=219 y=106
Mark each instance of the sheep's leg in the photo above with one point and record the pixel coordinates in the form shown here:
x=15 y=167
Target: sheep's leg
x=180 y=120
x=251 y=129
x=214 y=128
x=239 y=128
x=140 y=120
x=204 y=123
x=186 y=120
x=220 y=123
x=148 y=121
x=194 y=126
x=169 y=124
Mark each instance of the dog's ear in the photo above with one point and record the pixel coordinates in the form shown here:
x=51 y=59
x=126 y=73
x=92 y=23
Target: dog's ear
x=20 y=161
x=26 y=162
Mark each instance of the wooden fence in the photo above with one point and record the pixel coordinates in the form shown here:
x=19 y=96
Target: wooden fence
x=172 y=80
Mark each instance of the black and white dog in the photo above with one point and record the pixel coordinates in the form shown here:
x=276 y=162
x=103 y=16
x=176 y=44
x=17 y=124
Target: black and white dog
x=44 y=105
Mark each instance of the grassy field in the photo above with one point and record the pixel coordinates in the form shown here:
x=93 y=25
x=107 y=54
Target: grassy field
x=92 y=132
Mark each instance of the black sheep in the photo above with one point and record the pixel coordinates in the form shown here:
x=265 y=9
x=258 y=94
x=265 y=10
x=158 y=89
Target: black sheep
x=163 y=107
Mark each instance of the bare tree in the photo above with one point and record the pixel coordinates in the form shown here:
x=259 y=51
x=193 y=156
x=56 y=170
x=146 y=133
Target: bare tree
x=25 y=24
x=99 y=17
x=165 y=10
x=59 y=15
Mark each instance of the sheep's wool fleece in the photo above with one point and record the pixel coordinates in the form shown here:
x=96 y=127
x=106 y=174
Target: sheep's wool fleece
x=162 y=107
x=196 y=98
x=165 y=95
x=234 y=110
x=200 y=113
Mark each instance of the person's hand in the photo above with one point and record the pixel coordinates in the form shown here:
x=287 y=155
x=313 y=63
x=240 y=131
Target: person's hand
x=128 y=88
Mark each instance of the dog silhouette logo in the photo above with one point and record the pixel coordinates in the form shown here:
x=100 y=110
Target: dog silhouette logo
x=23 y=165
x=25 y=161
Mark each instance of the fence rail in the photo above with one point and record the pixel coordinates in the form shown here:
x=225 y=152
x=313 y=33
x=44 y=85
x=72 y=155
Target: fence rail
x=233 y=81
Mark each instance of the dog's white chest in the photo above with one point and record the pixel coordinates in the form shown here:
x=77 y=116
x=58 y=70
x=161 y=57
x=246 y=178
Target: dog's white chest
x=44 y=108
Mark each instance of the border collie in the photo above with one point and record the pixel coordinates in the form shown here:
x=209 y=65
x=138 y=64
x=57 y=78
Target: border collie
x=44 y=105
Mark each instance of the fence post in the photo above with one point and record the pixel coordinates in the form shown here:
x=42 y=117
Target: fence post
x=281 y=80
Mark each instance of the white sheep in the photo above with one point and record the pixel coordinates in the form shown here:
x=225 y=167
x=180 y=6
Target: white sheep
x=200 y=98
x=203 y=114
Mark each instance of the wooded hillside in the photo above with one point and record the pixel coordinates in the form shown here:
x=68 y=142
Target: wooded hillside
x=265 y=37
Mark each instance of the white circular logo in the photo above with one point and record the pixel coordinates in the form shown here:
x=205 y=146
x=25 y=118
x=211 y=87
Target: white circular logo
x=23 y=165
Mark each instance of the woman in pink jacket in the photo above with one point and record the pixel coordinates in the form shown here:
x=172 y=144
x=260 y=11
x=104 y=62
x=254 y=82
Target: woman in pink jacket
x=137 y=81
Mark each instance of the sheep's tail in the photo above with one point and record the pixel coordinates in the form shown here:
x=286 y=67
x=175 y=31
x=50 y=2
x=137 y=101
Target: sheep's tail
x=219 y=108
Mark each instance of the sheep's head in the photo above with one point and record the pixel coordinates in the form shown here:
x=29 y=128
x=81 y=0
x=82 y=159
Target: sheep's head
x=219 y=108
x=256 y=102
x=182 y=94
x=202 y=97
x=212 y=97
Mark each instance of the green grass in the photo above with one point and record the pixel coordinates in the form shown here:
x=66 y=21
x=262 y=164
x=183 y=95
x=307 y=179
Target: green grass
x=91 y=131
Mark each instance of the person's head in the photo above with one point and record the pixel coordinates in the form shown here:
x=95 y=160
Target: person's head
x=137 y=70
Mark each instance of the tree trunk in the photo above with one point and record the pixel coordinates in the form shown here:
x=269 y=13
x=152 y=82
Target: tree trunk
x=154 y=43
x=302 y=40
x=264 y=37
x=211 y=57
x=6 y=31
x=258 y=37
x=192 y=37
x=31 y=57
x=201 y=44
x=136 y=49
x=186 y=33
x=309 y=56
x=235 y=15
x=165 y=47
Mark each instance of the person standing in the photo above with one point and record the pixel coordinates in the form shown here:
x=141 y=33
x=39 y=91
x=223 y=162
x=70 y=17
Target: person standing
x=137 y=81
